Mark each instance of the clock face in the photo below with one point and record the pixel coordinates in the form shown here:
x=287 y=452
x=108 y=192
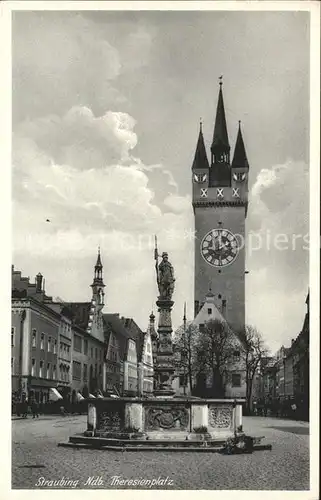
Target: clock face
x=219 y=247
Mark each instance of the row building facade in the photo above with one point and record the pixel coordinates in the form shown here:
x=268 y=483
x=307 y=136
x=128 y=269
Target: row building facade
x=73 y=347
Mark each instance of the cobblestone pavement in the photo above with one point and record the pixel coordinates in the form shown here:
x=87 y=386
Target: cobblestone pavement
x=36 y=455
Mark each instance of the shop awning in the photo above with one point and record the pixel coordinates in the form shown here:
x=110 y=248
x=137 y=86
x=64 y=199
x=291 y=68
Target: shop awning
x=79 y=397
x=54 y=395
x=92 y=396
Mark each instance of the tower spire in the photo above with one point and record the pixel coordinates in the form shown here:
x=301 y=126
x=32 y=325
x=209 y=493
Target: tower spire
x=240 y=158
x=200 y=157
x=98 y=283
x=98 y=263
x=184 y=317
x=220 y=143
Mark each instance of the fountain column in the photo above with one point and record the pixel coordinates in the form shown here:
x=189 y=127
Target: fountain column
x=164 y=369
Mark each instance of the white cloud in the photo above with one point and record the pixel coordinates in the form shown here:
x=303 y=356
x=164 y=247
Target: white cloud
x=278 y=224
x=177 y=203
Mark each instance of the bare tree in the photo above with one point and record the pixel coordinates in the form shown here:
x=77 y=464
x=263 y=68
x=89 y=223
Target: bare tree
x=185 y=344
x=254 y=350
x=214 y=350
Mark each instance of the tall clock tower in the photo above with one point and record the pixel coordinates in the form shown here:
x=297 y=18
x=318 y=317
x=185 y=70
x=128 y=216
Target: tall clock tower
x=220 y=200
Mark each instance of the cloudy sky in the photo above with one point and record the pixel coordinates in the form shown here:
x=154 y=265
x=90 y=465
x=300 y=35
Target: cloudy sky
x=106 y=109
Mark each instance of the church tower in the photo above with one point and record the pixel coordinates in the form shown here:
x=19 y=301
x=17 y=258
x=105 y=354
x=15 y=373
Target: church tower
x=98 y=284
x=95 y=320
x=220 y=200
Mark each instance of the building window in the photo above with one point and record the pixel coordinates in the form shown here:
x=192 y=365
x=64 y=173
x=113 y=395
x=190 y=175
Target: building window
x=12 y=365
x=33 y=367
x=54 y=372
x=34 y=337
x=201 y=327
x=96 y=353
x=49 y=344
x=42 y=341
x=85 y=346
x=55 y=347
x=41 y=369
x=12 y=336
x=76 y=370
x=91 y=352
x=85 y=372
x=209 y=310
x=236 y=356
x=236 y=380
x=48 y=370
x=77 y=343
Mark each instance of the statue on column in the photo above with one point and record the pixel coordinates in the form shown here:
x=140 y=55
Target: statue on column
x=165 y=275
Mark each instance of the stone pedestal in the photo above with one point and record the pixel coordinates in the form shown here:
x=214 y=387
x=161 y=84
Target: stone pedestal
x=164 y=369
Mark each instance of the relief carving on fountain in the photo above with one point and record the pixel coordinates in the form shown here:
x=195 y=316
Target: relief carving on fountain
x=220 y=417
x=165 y=417
x=110 y=421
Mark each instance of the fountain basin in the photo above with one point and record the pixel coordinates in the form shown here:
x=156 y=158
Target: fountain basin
x=159 y=418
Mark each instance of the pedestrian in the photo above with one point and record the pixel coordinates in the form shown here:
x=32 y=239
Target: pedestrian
x=24 y=409
x=34 y=409
x=255 y=408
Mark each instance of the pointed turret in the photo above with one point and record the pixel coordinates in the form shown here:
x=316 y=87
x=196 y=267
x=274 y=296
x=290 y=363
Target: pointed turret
x=184 y=317
x=200 y=158
x=240 y=158
x=220 y=145
x=151 y=326
x=153 y=335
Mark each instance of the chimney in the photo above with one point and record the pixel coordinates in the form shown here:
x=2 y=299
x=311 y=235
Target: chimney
x=39 y=283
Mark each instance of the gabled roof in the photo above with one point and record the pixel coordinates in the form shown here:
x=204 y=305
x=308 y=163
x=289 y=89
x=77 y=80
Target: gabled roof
x=137 y=334
x=215 y=315
x=119 y=330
